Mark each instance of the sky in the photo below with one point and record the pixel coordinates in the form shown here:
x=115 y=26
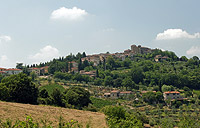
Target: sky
x=34 y=31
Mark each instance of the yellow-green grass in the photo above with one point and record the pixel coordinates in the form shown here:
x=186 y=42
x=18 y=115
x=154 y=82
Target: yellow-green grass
x=15 y=111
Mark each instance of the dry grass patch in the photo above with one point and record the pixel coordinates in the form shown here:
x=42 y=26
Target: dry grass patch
x=16 y=111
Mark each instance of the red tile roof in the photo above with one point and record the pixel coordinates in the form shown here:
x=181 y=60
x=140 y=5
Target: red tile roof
x=115 y=91
x=171 y=92
x=126 y=92
x=34 y=68
x=13 y=69
x=147 y=91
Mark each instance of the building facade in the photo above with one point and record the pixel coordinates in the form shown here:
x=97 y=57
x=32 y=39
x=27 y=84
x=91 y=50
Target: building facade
x=13 y=71
x=170 y=95
x=115 y=94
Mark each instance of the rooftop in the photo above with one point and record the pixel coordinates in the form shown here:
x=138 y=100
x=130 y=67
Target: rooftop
x=171 y=92
x=13 y=69
x=115 y=91
x=126 y=92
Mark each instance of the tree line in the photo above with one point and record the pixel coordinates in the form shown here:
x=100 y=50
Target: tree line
x=20 y=88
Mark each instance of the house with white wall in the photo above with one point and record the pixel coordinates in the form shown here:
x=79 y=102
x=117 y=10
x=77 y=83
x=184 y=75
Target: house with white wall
x=13 y=71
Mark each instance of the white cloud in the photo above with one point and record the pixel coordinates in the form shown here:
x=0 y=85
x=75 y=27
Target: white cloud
x=45 y=54
x=5 y=38
x=194 y=50
x=5 y=62
x=68 y=14
x=176 y=34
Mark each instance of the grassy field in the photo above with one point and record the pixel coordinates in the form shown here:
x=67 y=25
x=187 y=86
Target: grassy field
x=100 y=103
x=15 y=111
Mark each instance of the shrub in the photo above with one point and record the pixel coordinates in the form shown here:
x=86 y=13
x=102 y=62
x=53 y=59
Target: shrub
x=18 y=88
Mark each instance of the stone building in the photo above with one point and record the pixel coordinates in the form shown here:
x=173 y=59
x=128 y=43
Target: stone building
x=172 y=95
x=140 y=50
x=115 y=94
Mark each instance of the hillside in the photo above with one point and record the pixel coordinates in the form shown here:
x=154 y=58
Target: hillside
x=16 y=111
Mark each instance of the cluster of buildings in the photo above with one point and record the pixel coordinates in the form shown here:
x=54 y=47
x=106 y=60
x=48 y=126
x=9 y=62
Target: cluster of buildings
x=127 y=53
x=158 y=58
x=97 y=58
x=90 y=73
x=39 y=71
x=73 y=66
x=170 y=95
x=13 y=71
x=138 y=50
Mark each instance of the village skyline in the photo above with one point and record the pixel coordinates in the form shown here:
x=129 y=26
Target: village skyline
x=36 y=31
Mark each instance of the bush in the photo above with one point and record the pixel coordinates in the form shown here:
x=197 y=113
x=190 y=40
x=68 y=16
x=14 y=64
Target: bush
x=18 y=88
x=77 y=96
x=117 y=117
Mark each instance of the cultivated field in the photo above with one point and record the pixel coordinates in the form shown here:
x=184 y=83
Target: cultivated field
x=16 y=111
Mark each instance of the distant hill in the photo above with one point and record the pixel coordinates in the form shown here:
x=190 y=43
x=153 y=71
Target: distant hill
x=16 y=111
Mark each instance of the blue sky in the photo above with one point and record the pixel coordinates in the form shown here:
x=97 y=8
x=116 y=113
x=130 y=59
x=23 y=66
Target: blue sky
x=33 y=31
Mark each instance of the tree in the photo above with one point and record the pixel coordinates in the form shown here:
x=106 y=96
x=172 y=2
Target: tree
x=117 y=82
x=108 y=81
x=20 y=89
x=117 y=117
x=1 y=77
x=110 y=63
x=4 y=94
x=127 y=63
x=84 y=54
x=137 y=75
x=33 y=76
x=57 y=97
x=127 y=82
x=184 y=58
x=159 y=97
x=187 y=91
x=43 y=93
x=149 y=97
x=77 y=97
x=166 y=88
x=19 y=66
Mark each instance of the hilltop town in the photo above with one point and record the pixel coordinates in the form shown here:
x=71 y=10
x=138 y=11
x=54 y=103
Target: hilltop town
x=151 y=85
x=95 y=59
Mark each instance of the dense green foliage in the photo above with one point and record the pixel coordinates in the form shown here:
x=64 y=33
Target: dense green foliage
x=100 y=103
x=153 y=97
x=73 y=97
x=69 y=76
x=51 y=87
x=117 y=117
x=136 y=73
x=78 y=97
x=18 y=88
x=140 y=69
